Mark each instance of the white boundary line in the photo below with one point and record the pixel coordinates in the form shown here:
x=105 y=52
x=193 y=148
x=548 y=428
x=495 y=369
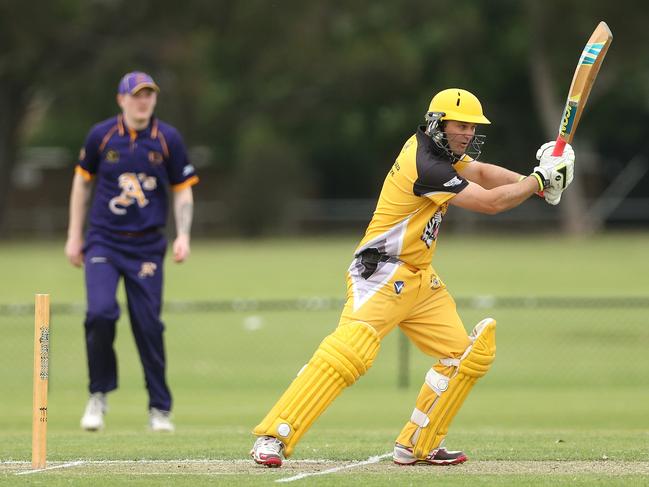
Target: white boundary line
x=65 y=465
x=374 y=459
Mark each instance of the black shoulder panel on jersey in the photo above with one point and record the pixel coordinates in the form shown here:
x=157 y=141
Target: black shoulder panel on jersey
x=434 y=173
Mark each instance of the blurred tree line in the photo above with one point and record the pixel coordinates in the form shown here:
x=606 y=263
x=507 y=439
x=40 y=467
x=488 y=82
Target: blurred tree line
x=314 y=99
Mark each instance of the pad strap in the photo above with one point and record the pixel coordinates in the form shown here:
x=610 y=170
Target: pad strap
x=420 y=418
x=440 y=399
x=450 y=362
x=437 y=382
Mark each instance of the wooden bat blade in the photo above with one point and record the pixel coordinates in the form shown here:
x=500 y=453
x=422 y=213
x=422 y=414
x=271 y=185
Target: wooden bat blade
x=582 y=81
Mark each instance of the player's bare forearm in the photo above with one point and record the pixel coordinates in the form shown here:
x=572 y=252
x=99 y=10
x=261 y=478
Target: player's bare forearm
x=183 y=211
x=487 y=175
x=511 y=195
x=492 y=201
x=79 y=197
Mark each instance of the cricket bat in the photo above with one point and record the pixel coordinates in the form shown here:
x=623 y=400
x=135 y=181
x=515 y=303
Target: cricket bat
x=582 y=81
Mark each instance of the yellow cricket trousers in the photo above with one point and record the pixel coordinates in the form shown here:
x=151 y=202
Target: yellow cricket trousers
x=417 y=301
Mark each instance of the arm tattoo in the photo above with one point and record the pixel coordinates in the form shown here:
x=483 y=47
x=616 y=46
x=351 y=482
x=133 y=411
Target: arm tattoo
x=184 y=218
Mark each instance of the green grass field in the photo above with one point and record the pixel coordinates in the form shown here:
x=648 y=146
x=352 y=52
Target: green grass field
x=566 y=402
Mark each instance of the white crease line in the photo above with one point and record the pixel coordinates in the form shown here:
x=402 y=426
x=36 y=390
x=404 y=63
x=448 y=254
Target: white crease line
x=205 y=461
x=375 y=459
x=65 y=465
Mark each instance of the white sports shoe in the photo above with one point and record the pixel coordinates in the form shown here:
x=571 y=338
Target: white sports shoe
x=267 y=450
x=93 y=416
x=440 y=456
x=159 y=420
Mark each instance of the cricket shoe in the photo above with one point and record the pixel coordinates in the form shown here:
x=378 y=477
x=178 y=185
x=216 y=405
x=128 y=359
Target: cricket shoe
x=440 y=456
x=93 y=416
x=160 y=420
x=267 y=450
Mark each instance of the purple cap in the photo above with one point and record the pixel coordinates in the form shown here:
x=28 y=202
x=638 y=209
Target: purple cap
x=135 y=81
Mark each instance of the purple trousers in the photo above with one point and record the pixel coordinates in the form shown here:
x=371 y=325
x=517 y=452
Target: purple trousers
x=138 y=259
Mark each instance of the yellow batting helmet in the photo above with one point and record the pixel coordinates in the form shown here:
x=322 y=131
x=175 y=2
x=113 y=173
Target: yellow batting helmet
x=459 y=105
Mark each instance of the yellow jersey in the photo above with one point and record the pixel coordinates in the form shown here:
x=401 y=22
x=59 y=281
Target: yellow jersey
x=413 y=201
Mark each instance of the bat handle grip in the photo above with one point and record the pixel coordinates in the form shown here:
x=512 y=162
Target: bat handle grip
x=558 y=147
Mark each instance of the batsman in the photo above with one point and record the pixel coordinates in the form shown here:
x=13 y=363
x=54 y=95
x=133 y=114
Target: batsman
x=391 y=283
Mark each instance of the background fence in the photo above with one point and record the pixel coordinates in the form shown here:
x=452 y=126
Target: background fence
x=572 y=341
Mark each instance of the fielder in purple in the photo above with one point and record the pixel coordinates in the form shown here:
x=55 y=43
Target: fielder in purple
x=131 y=159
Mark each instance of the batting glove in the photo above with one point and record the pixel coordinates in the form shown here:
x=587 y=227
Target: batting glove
x=554 y=173
x=562 y=167
x=552 y=195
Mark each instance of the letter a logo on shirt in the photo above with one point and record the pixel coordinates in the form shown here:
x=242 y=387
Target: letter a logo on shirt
x=398 y=286
x=131 y=193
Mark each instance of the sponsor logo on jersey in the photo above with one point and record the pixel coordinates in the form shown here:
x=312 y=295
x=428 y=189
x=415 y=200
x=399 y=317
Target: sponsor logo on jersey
x=132 y=186
x=395 y=167
x=147 y=270
x=112 y=156
x=431 y=231
x=398 y=286
x=453 y=182
x=188 y=169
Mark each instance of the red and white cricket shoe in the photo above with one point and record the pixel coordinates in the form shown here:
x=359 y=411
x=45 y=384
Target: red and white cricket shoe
x=440 y=456
x=267 y=450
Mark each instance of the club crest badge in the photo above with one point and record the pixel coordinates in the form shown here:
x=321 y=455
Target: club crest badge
x=398 y=286
x=112 y=156
x=155 y=158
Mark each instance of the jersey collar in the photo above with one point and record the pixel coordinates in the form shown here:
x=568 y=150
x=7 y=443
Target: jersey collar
x=427 y=143
x=150 y=130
